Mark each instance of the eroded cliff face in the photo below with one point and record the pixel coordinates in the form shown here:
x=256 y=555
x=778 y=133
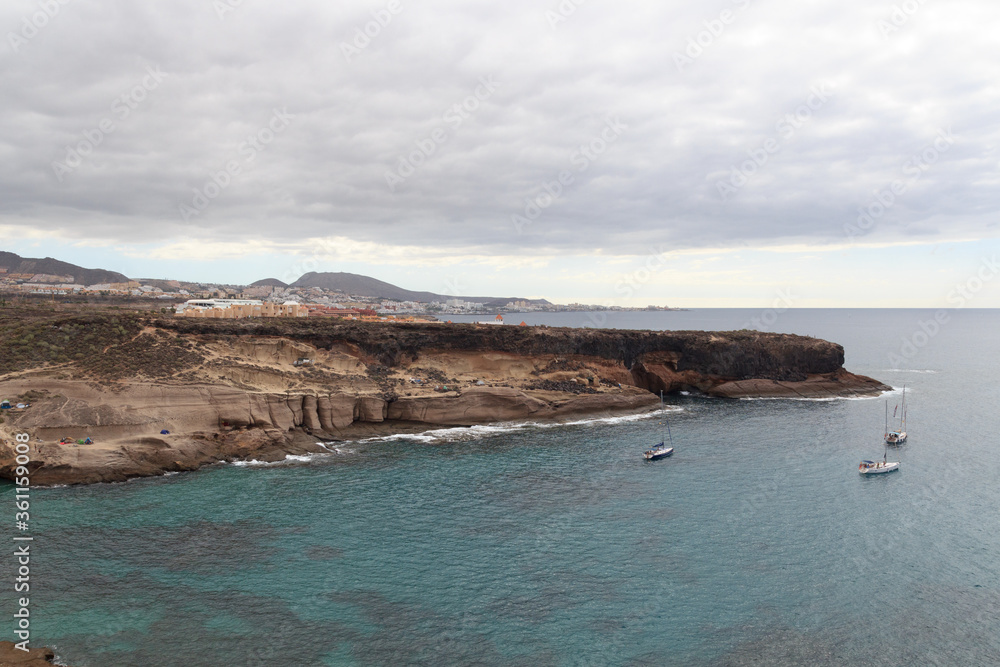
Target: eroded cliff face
x=738 y=354
x=208 y=424
x=239 y=390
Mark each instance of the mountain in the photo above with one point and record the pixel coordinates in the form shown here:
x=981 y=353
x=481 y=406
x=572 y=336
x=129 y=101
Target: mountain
x=348 y=283
x=269 y=282
x=49 y=266
x=352 y=283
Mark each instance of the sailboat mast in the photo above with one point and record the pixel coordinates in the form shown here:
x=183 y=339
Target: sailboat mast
x=902 y=411
x=902 y=417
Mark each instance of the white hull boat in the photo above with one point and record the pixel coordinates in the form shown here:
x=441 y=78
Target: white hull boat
x=897 y=436
x=877 y=468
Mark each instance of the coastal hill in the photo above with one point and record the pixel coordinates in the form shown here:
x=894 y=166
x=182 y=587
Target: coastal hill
x=350 y=284
x=265 y=389
x=269 y=282
x=353 y=283
x=48 y=266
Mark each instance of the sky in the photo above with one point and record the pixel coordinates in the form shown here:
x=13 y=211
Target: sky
x=733 y=153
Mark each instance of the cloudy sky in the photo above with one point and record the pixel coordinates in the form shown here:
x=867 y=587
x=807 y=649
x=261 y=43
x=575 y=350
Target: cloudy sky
x=720 y=153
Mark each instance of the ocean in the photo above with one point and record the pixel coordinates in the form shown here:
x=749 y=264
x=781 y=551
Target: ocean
x=757 y=543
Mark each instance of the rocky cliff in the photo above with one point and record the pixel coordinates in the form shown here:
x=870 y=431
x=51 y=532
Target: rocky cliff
x=227 y=390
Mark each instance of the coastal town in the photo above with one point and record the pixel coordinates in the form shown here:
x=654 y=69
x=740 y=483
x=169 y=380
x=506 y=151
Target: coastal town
x=272 y=298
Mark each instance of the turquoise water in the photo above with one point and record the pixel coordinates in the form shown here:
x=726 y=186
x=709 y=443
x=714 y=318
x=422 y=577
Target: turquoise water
x=757 y=543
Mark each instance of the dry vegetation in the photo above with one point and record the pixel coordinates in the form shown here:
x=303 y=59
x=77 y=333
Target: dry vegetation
x=105 y=345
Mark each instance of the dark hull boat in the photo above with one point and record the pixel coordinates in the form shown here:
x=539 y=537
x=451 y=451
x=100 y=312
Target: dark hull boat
x=661 y=450
x=657 y=452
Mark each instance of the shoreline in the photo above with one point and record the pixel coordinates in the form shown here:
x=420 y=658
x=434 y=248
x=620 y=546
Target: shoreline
x=128 y=458
x=174 y=395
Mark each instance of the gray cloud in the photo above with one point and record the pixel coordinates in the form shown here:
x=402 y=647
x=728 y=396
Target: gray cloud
x=355 y=118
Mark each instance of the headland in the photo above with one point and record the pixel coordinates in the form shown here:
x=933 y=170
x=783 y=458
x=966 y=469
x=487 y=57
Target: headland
x=160 y=394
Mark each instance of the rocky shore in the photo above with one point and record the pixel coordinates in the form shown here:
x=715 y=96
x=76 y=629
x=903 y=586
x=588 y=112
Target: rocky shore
x=230 y=390
x=10 y=656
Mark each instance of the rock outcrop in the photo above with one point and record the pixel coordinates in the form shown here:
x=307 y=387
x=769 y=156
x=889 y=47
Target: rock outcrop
x=238 y=390
x=10 y=656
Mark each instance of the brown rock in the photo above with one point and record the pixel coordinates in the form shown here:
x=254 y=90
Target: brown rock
x=10 y=656
x=830 y=385
x=370 y=409
x=310 y=413
x=341 y=411
x=475 y=406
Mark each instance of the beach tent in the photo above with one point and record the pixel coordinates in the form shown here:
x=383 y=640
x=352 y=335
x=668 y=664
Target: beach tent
x=4 y=405
x=164 y=432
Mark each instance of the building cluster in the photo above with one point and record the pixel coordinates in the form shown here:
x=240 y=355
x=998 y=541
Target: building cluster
x=44 y=283
x=268 y=298
x=239 y=309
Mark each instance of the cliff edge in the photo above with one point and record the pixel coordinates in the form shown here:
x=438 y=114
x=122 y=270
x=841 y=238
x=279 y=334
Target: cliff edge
x=157 y=395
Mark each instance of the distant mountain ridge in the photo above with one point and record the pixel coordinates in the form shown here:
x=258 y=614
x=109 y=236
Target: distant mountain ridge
x=353 y=283
x=348 y=283
x=54 y=267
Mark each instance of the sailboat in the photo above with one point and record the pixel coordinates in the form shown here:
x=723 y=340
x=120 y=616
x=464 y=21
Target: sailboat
x=661 y=450
x=878 y=467
x=898 y=436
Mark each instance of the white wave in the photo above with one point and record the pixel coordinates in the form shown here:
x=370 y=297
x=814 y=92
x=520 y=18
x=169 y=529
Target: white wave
x=289 y=458
x=251 y=462
x=460 y=433
x=909 y=370
x=822 y=399
x=622 y=419
x=335 y=450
